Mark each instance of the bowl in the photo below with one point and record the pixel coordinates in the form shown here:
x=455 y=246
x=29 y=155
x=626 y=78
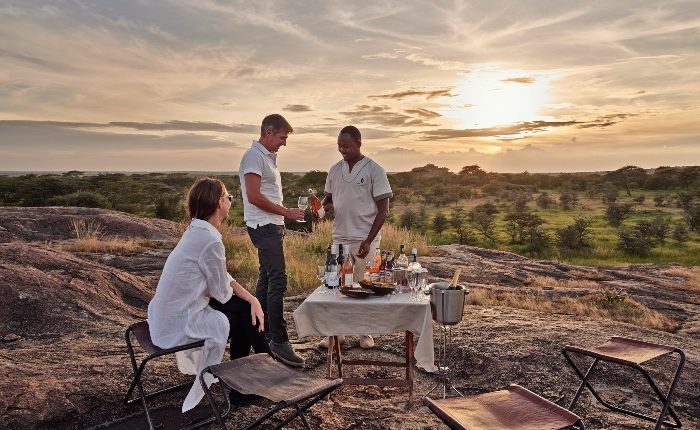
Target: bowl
x=355 y=293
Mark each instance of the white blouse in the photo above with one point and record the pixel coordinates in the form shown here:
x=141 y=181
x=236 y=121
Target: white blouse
x=179 y=313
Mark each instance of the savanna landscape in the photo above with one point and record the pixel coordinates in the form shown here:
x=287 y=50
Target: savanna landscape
x=547 y=258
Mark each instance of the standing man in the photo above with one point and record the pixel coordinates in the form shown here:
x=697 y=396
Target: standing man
x=261 y=187
x=358 y=192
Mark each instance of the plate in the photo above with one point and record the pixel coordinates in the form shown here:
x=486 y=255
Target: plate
x=378 y=289
x=355 y=293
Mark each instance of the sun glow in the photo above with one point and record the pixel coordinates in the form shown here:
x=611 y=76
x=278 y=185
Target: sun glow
x=490 y=97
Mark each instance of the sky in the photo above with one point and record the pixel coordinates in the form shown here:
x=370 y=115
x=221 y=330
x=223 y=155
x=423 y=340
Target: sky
x=537 y=85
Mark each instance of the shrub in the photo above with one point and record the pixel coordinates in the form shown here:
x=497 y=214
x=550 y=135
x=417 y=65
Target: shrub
x=656 y=229
x=617 y=212
x=439 y=223
x=680 y=233
x=169 y=206
x=632 y=241
x=408 y=219
x=660 y=200
x=544 y=200
x=568 y=200
x=483 y=218
x=639 y=199
x=575 y=236
x=85 y=199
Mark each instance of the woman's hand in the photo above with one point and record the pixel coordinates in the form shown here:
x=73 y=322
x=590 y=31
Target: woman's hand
x=257 y=315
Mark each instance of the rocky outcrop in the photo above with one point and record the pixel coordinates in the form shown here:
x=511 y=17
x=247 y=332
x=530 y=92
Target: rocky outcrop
x=64 y=364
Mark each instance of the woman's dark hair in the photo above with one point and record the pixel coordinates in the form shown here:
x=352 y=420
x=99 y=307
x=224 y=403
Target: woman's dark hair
x=203 y=197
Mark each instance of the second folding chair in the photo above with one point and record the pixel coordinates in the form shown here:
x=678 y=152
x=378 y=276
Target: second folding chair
x=260 y=375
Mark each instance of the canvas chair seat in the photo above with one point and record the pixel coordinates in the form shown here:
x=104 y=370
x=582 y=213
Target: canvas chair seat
x=514 y=408
x=260 y=375
x=630 y=353
x=141 y=332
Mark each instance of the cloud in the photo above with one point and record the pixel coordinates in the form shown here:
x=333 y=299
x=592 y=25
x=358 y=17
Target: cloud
x=429 y=94
x=144 y=126
x=514 y=129
x=425 y=113
x=297 y=108
x=439 y=64
x=521 y=80
x=385 y=116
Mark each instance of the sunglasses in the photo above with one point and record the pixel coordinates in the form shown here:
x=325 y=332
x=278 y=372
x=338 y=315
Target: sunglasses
x=229 y=197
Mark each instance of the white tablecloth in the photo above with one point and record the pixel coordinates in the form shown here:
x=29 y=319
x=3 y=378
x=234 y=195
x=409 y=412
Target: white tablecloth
x=326 y=313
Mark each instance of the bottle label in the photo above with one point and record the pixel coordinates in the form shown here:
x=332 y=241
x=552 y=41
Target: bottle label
x=331 y=279
x=348 y=280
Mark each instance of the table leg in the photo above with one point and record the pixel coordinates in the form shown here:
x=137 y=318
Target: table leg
x=339 y=356
x=409 y=364
x=329 y=355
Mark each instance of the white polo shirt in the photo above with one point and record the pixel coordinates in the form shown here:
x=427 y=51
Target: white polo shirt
x=258 y=160
x=354 y=197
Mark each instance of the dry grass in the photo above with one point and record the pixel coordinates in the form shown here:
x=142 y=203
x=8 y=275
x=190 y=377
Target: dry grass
x=89 y=237
x=303 y=252
x=690 y=274
x=569 y=284
x=610 y=305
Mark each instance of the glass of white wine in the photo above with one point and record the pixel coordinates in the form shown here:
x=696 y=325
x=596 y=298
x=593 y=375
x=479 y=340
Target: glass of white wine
x=303 y=203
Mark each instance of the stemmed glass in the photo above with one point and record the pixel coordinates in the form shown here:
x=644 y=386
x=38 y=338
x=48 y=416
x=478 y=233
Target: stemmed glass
x=321 y=276
x=302 y=204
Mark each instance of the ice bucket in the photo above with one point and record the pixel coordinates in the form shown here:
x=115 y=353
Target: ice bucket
x=446 y=305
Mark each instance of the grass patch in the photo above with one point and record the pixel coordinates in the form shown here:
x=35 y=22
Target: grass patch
x=690 y=274
x=609 y=305
x=89 y=237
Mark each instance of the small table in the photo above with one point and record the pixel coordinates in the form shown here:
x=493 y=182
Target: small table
x=328 y=313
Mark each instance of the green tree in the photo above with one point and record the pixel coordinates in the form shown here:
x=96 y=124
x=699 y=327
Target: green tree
x=627 y=177
x=568 y=200
x=439 y=223
x=458 y=220
x=483 y=218
x=408 y=218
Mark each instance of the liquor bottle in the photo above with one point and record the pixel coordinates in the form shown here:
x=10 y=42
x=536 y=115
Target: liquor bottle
x=376 y=266
x=389 y=270
x=329 y=261
x=332 y=280
x=402 y=261
x=347 y=269
x=382 y=267
x=315 y=205
x=414 y=265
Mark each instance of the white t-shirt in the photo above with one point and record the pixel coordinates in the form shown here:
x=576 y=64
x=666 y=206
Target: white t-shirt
x=258 y=160
x=354 y=197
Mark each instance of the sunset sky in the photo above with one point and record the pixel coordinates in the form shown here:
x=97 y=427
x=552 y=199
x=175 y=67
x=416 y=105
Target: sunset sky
x=542 y=86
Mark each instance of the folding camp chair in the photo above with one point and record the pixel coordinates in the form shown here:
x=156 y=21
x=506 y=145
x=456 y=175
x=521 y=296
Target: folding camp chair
x=259 y=374
x=630 y=353
x=514 y=408
x=143 y=336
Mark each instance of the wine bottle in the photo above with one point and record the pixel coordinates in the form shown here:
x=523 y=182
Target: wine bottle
x=347 y=269
x=332 y=280
x=329 y=261
x=376 y=266
x=315 y=205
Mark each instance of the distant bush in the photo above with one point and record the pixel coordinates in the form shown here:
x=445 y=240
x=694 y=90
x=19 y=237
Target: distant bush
x=639 y=199
x=545 y=201
x=483 y=218
x=617 y=212
x=169 y=206
x=656 y=229
x=633 y=241
x=439 y=223
x=568 y=200
x=408 y=219
x=576 y=235
x=680 y=233
x=85 y=199
x=661 y=200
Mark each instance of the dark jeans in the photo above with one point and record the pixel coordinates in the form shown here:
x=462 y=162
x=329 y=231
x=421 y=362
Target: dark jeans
x=243 y=333
x=272 y=278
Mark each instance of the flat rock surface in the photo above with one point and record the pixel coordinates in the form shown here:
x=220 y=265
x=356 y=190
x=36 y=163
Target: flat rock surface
x=64 y=364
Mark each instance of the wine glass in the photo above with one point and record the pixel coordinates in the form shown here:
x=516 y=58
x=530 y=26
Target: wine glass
x=302 y=204
x=321 y=276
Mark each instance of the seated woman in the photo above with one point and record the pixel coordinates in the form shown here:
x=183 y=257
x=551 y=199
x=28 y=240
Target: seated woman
x=195 y=271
